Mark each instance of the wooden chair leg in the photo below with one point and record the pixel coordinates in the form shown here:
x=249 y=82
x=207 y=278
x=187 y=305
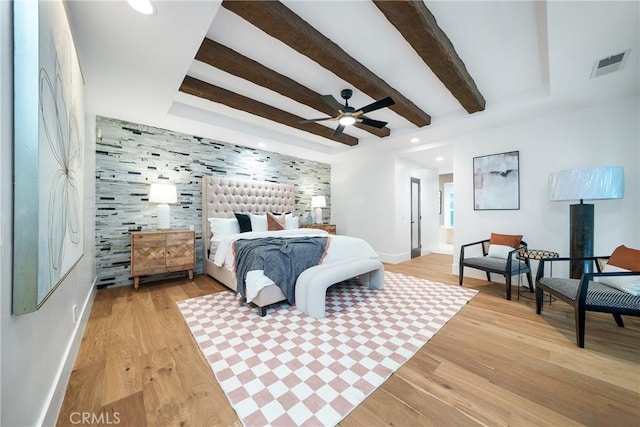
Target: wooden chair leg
x=460 y=274
x=580 y=319
x=508 y=280
x=618 y=319
x=488 y=276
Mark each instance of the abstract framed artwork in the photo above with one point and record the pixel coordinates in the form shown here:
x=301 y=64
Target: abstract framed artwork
x=48 y=153
x=496 y=181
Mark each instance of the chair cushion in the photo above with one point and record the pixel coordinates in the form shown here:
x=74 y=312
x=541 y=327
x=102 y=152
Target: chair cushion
x=598 y=293
x=629 y=284
x=497 y=264
x=566 y=287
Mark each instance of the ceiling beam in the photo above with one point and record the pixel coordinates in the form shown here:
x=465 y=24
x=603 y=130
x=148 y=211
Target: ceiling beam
x=227 y=59
x=193 y=86
x=278 y=21
x=418 y=26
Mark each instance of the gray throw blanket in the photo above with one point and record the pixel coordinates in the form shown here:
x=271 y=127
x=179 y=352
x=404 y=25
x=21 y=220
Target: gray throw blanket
x=282 y=259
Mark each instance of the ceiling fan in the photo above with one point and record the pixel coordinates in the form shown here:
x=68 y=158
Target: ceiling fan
x=348 y=115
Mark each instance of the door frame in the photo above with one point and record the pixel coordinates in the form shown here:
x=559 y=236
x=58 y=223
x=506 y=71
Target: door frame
x=415 y=251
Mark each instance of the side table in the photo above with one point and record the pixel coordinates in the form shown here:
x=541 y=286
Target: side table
x=329 y=228
x=534 y=254
x=162 y=251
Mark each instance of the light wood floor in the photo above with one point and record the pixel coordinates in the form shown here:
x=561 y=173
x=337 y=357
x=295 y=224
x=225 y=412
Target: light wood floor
x=495 y=363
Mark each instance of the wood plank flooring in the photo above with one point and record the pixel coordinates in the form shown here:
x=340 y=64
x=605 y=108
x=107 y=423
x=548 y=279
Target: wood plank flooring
x=495 y=363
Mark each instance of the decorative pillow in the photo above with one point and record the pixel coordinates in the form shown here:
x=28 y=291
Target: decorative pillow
x=258 y=222
x=626 y=258
x=244 y=222
x=501 y=244
x=223 y=227
x=291 y=222
x=275 y=222
x=629 y=284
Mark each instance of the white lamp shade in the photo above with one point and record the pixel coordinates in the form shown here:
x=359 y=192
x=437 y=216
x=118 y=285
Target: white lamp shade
x=600 y=183
x=163 y=193
x=318 y=202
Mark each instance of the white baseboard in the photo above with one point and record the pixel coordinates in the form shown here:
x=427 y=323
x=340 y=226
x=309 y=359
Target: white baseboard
x=395 y=258
x=50 y=417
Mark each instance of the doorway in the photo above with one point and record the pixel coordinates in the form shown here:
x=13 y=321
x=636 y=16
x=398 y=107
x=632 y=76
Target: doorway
x=416 y=217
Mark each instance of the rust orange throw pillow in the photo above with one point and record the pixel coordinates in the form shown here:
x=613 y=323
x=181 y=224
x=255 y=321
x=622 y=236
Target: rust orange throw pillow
x=505 y=239
x=501 y=244
x=626 y=258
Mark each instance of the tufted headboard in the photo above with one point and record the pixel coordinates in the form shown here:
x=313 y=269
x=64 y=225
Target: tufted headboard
x=222 y=197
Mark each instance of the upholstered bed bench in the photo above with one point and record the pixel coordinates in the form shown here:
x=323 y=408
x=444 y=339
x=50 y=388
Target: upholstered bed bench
x=312 y=284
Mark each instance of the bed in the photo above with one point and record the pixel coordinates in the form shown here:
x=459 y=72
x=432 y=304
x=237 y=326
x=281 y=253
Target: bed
x=223 y=197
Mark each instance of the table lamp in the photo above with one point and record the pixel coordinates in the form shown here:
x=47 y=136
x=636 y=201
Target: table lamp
x=318 y=202
x=600 y=183
x=163 y=194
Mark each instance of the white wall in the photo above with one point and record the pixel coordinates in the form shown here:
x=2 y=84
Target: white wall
x=369 y=192
x=370 y=199
x=355 y=187
x=606 y=134
x=38 y=349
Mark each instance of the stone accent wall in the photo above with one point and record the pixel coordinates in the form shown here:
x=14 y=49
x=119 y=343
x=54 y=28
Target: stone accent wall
x=129 y=157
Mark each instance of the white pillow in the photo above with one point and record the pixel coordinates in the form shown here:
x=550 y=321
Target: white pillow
x=628 y=284
x=223 y=227
x=258 y=222
x=499 y=251
x=291 y=222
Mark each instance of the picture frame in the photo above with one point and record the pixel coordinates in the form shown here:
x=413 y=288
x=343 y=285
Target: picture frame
x=496 y=181
x=48 y=153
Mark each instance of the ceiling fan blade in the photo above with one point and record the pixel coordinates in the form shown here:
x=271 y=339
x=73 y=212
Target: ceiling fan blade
x=338 y=130
x=316 y=120
x=386 y=102
x=332 y=102
x=370 y=122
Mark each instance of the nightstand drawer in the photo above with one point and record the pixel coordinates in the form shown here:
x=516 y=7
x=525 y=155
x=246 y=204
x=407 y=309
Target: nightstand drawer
x=154 y=252
x=147 y=254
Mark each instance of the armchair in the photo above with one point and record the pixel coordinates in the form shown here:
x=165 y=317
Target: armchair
x=614 y=290
x=499 y=257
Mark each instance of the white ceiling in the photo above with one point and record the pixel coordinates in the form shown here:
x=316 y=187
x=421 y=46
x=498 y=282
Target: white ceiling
x=526 y=57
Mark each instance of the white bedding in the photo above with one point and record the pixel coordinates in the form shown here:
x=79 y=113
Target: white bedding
x=338 y=248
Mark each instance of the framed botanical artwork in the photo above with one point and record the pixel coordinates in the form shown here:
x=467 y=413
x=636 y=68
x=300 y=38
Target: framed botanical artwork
x=496 y=181
x=48 y=153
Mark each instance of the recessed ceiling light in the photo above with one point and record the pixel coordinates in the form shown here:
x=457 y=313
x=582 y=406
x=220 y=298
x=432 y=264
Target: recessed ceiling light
x=439 y=159
x=261 y=144
x=143 y=6
x=414 y=140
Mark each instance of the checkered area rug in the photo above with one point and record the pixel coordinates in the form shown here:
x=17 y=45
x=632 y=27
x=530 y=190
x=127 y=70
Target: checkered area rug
x=289 y=369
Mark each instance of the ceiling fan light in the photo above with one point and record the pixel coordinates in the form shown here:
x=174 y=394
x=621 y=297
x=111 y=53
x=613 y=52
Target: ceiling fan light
x=143 y=6
x=347 y=120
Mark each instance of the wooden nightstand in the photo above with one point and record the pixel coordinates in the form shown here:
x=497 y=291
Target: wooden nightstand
x=329 y=228
x=154 y=252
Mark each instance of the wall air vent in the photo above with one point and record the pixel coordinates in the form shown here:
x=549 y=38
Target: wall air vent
x=609 y=65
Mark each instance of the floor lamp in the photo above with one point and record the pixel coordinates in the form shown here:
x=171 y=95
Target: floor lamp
x=599 y=183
